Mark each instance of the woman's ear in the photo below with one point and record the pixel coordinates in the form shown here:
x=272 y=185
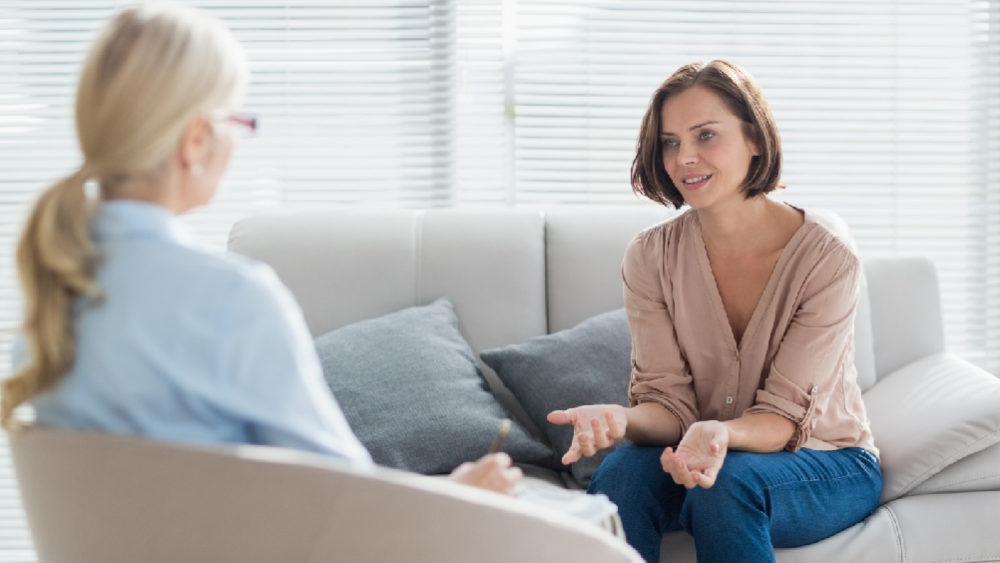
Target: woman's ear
x=196 y=146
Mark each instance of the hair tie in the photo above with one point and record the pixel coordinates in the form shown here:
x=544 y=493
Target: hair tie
x=88 y=182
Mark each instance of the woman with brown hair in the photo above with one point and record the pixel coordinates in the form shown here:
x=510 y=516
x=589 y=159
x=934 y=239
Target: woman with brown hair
x=746 y=418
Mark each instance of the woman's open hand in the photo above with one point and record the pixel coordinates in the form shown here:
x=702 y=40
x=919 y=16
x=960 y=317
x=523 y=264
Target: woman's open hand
x=595 y=427
x=699 y=456
x=493 y=472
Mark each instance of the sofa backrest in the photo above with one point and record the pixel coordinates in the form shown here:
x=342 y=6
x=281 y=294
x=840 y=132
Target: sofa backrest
x=347 y=265
x=513 y=273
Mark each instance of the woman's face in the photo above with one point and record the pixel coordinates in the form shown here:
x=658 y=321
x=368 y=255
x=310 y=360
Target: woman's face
x=218 y=162
x=705 y=152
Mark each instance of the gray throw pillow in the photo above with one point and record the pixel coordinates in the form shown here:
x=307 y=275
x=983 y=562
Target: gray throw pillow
x=587 y=364
x=410 y=388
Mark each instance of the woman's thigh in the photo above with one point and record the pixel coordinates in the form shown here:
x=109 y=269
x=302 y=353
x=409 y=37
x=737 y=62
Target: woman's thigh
x=633 y=478
x=803 y=496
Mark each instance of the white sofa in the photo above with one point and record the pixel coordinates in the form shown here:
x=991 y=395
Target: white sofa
x=512 y=273
x=515 y=273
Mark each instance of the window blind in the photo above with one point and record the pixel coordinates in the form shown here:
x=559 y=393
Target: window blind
x=883 y=107
x=356 y=103
x=888 y=109
x=985 y=133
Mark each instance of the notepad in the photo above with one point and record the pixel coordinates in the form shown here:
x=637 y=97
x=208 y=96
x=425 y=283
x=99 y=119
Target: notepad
x=597 y=509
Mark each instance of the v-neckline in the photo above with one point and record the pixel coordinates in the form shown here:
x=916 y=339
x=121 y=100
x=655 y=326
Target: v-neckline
x=719 y=306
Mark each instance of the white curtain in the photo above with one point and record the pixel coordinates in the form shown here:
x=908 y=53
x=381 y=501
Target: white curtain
x=889 y=112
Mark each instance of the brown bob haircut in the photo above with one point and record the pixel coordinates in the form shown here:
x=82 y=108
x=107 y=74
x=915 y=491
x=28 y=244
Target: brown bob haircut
x=742 y=95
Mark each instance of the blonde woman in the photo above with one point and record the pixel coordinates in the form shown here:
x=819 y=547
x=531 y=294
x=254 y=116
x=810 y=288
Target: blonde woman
x=131 y=327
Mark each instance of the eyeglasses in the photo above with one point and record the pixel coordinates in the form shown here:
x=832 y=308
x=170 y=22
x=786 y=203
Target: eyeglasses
x=247 y=123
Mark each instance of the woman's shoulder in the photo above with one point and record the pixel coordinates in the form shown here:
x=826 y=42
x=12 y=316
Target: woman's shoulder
x=826 y=252
x=665 y=233
x=658 y=247
x=226 y=278
x=829 y=236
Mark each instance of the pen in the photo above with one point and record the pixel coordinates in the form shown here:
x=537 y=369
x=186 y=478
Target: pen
x=501 y=434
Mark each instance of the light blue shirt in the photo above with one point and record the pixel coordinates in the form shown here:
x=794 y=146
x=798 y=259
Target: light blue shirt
x=192 y=346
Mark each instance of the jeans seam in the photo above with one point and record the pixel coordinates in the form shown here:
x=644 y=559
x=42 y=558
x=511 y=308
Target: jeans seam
x=854 y=473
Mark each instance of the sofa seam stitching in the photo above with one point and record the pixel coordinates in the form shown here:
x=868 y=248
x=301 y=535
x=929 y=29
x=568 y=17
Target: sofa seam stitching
x=898 y=532
x=972 y=559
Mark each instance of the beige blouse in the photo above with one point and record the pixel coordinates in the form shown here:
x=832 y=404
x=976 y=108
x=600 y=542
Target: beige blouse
x=796 y=357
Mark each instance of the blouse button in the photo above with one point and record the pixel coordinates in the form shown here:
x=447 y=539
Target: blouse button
x=729 y=400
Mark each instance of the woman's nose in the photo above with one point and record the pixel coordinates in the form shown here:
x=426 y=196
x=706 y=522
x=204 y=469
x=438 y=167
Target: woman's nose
x=687 y=155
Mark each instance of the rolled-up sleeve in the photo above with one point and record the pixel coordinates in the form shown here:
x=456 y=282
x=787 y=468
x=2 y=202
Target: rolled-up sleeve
x=817 y=347
x=659 y=372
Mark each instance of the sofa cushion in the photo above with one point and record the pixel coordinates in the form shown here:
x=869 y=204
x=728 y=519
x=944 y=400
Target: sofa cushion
x=410 y=388
x=587 y=364
x=977 y=472
x=928 y=415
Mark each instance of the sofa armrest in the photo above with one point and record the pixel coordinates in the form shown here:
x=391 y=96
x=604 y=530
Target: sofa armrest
x=905 y=311
x=977 y=472
x=928 y=415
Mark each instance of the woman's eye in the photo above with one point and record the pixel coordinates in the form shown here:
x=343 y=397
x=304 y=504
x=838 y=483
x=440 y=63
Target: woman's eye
x=670 y=144
x=706 y=135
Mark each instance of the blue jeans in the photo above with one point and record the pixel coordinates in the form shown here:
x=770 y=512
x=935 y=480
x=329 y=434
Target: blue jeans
x=758 y=502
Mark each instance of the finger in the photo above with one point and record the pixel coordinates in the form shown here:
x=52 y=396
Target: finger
x=704 y=480
x=677 y=468
x=671 y=459
x=686 y=477
x=600 y=434
x=514 y=473
x=559 y=417
x=587 y=444
x=671 y=464
x=613 y=429
x=573 y=454
x=500 y=459
x=509 y=480
x=667 y=459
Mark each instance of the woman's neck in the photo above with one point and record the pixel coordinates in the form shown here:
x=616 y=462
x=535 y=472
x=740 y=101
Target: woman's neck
x=738 y=223
x=157 y=188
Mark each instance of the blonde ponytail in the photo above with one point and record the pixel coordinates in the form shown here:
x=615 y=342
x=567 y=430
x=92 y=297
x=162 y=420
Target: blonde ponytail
x=56 y=259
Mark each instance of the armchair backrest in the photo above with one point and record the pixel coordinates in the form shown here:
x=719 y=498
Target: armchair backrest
x=93 y=498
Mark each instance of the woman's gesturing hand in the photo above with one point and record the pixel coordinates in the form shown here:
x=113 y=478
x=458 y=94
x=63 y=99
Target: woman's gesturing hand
x=595 y=427
x=699 y=456
x=492 y=472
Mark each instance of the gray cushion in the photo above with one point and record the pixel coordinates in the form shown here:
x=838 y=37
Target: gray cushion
x=411 y=390
x=587 y=364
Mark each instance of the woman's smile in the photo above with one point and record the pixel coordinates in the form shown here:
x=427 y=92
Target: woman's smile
x=693 y=182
